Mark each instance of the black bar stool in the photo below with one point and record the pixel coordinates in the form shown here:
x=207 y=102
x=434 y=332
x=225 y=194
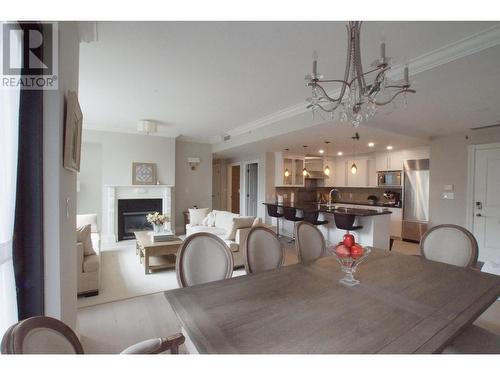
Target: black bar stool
x=290 y=214
x=346 y=222
x=312 y=217
x=272 y=211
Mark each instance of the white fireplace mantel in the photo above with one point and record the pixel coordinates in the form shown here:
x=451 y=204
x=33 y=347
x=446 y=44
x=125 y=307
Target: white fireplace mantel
x=112 y=193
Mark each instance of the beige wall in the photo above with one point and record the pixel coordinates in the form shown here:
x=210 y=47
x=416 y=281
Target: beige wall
x=59 y=187
x=448 y=166
x=192 y=187
x=89 y=199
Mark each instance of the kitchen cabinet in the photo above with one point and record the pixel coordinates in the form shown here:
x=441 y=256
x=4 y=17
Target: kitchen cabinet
x=294 y=165
x=396 y=221
x=340 y=172
x=390 y=161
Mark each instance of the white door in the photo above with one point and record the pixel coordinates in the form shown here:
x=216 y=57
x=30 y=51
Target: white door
x=486 y=226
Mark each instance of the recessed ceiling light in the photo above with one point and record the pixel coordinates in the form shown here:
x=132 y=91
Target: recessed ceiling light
x=339 y=153
x=389 y=147
x=321 y=151
x=371 y=144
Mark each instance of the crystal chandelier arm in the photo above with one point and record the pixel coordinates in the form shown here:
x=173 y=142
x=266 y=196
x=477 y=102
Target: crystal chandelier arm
x=392 y=98
x=314 y=84
x=357 y=57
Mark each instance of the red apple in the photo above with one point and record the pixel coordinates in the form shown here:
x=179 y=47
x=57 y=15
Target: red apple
x=348 y=240
x=342 y=251
x=357 y=251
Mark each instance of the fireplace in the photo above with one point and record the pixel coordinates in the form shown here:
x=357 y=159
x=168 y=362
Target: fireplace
x=132 y=215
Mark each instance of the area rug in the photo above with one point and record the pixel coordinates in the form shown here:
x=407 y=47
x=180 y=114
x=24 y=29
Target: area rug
x=122 y=276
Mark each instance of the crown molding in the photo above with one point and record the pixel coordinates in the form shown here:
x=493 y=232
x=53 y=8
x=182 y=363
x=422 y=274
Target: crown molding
x=464 y=47
x=187 y=138
x=121 y=130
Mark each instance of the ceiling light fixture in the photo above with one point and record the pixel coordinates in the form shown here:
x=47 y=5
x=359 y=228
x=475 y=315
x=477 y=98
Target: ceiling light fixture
x=354 y=167
x=340 y=153
x=371 y=144
x=326 y=171
x=389 y=148
x=357 y=100
x=305 y=173
x=287 y=172
x=321 y=151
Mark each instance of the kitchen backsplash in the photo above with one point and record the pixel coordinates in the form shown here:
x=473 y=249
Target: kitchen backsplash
x=344 y=194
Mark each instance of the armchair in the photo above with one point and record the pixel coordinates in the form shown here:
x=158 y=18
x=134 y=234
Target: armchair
x=88 y=266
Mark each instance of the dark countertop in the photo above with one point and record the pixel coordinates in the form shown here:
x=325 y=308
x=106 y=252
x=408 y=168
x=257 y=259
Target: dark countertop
x=309 y=207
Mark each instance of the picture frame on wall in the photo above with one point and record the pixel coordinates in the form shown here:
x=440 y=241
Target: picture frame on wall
x=72 y=133
x=143 y=173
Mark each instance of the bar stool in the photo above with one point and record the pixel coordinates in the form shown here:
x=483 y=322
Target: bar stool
x=345 y=222
x=272 y=211
x=290 y=214
x=312 y=217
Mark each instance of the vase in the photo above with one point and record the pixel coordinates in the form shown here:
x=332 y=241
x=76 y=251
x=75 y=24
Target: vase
x=158 y=228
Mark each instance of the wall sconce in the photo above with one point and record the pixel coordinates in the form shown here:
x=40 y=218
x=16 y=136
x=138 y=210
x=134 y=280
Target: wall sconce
x=193 y=163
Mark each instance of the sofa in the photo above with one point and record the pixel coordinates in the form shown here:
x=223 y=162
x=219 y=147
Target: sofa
x=222 y=226
x=88 y=266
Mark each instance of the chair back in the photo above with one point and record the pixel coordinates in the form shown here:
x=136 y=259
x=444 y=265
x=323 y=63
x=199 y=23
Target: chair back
x=272 y=210
x=87 y=219
x=263 y=251
x=344 y=221
x=202 y=258
x=309 y=242
x=311 y=216
x=450 y=244
x=40 y=335
x=290 y=213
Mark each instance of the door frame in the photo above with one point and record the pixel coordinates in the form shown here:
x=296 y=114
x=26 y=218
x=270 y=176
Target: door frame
x=243 y=188
x=230 y=185
x=471 y=176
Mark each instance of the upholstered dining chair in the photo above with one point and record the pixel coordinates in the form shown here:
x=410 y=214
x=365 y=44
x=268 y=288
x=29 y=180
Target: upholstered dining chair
x=448 y=243
x=202 y=258
x=263 y=251
x=46 y=335
x=309 y=242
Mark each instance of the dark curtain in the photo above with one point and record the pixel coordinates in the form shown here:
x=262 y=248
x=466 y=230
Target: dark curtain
x=28 y=226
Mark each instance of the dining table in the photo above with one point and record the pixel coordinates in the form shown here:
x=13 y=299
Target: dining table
x=403 y=304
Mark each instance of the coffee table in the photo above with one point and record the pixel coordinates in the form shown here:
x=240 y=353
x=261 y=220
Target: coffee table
x=156 y=255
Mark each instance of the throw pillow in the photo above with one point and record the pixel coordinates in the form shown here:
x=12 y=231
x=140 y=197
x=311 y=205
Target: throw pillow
x=211 y=219
x=257 y=222
x=83 y=236
x=196 y=215
x=238 y=223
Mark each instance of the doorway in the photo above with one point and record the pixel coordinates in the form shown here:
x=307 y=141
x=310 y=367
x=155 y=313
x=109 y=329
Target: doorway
x=251 y=188
x=486 y=200
x=235 y=189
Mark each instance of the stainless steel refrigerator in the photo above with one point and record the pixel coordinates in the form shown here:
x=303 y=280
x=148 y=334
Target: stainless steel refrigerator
x=415 y=199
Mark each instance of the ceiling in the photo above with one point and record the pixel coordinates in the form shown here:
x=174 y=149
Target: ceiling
x=204 y=79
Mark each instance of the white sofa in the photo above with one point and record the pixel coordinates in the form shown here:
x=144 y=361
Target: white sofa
x=89 y=267
x=223 y=225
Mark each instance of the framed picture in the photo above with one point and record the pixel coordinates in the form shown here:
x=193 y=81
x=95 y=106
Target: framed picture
x=143 y=174
x=72 y=133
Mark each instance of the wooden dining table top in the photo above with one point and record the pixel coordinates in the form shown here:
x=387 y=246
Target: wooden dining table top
x=404 y=304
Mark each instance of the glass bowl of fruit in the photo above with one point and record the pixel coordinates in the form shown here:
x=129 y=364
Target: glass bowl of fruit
x=350 y=254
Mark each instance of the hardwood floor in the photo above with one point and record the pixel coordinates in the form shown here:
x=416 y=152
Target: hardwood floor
x=111 y=327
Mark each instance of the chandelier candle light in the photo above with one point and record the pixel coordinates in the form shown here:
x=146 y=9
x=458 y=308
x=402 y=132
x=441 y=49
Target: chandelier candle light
x=357 y=100
x=326 y=171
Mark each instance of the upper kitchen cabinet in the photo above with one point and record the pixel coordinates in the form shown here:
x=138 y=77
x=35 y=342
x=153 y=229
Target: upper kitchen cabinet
x=293 y=165
x=394 y=160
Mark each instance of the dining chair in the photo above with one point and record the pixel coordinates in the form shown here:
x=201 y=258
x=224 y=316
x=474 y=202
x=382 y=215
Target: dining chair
x=46 y=335
x=202 y=258
x=309 y=243
x=474 y=340
x=263 y=251
x=449 y=243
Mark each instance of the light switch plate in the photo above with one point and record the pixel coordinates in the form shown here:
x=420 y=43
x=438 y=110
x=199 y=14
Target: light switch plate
x=448 y=195
x=448 y=188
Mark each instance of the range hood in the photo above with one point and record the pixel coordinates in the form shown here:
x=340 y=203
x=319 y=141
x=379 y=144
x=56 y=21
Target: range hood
x=316 y=175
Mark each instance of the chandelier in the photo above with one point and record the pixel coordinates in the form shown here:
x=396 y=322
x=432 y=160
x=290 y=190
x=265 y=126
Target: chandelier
x=357 y=100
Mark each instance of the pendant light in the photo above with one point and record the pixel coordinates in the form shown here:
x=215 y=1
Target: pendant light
x=287 y=172
x=326 y=171
x=305 y=173
x=354 y=167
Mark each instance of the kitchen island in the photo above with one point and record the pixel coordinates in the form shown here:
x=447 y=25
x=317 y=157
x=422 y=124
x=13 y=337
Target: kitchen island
x=376 y=222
